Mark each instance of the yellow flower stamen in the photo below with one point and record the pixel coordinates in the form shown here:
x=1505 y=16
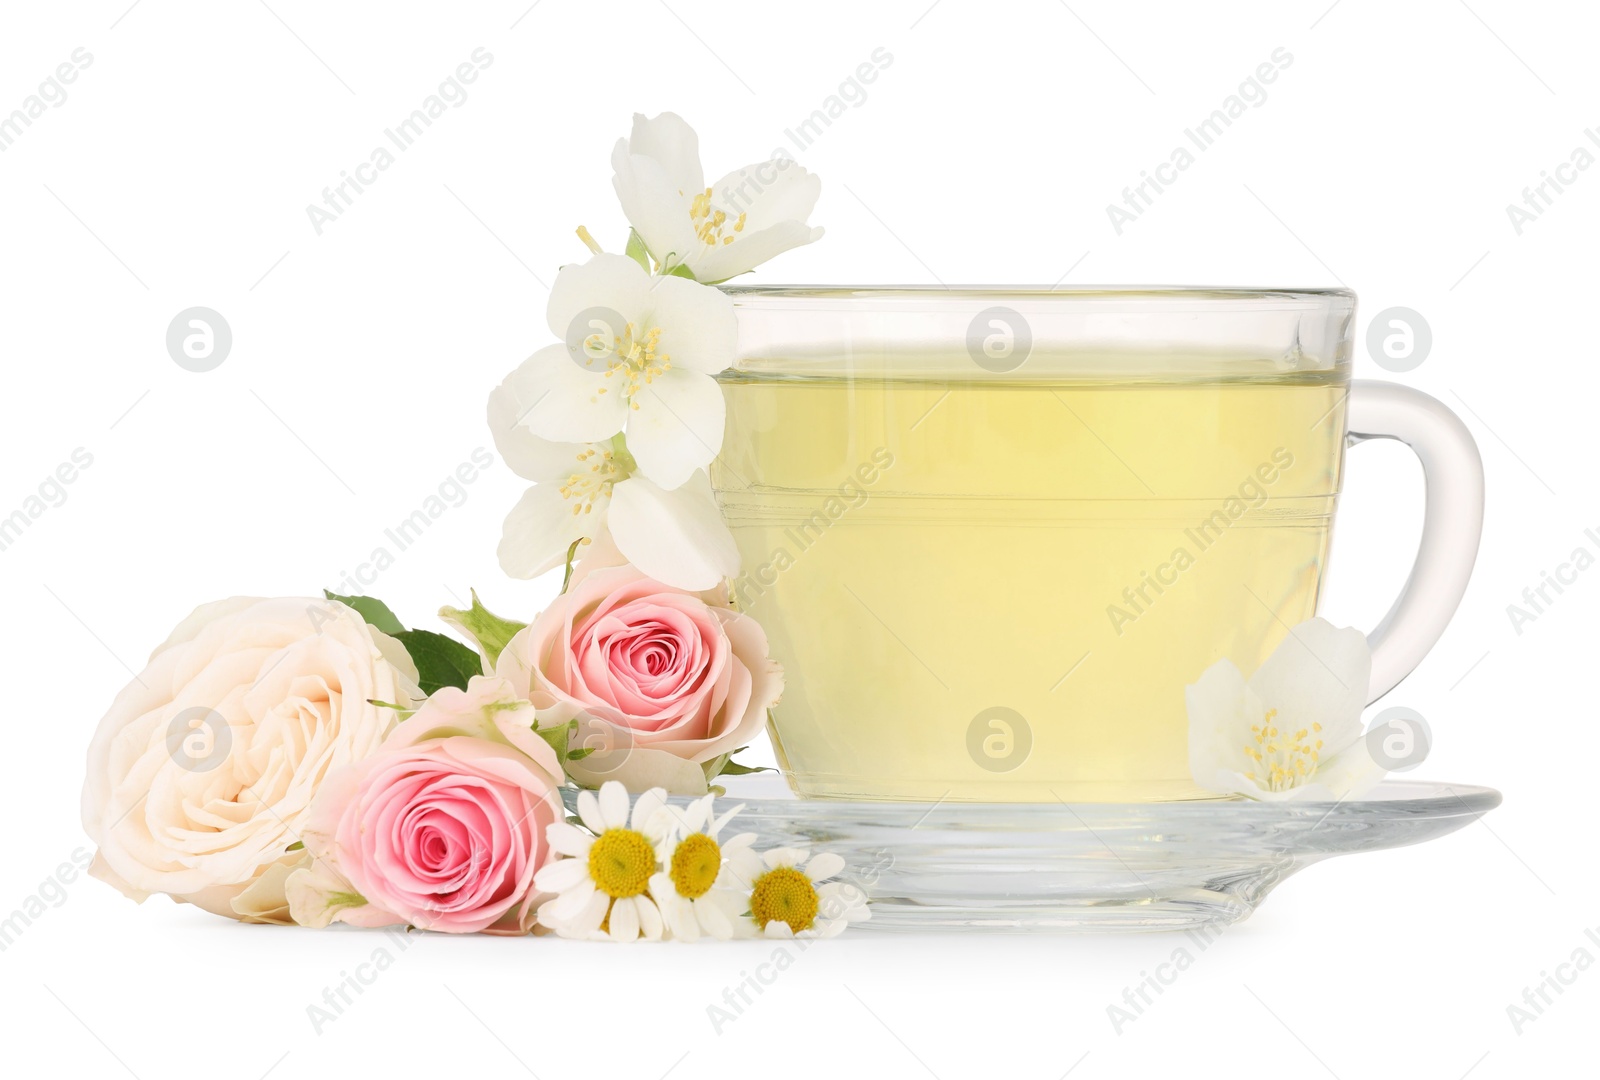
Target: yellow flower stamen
x=710 y=225
x=784 y=895
x=596 y=474
x=621 y=862
x=588 y=240
x=695 y=865
x=1290 y=761
x=634 y=355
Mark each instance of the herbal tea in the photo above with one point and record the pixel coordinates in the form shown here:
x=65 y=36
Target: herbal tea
x=998 y=590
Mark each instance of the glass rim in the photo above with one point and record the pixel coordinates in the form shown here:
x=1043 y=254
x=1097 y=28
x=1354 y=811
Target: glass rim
x=1027 y=333
x=1237 y=294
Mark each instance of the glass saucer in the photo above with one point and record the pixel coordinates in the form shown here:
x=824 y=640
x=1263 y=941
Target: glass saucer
x=1015 y=867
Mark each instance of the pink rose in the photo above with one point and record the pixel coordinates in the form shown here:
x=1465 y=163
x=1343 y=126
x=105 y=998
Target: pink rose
x=662 y=680
x=443 y=827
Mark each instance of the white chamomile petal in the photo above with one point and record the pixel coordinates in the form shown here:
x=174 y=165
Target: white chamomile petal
x=661 y=887
x=676 y=537
x=677 y=916
x=613 y=802
x=586 y=923
x=710 y=916
x=589 y=812
x=824 y=866
x=561 y=875
x=695 y=814
x=743 y=863
x=650 y=816
x=841 y=899
x=686 y=923
x=623 y=922
x=784 y=856
x=676 y=426
x=727 y=816
x=565 y=839
x=651 y=924
x=570 y=903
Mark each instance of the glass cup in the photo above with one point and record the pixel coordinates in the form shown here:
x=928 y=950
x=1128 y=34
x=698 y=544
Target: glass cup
x=993 y=534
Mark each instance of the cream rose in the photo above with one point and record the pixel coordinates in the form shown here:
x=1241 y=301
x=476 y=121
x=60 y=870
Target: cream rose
x=201 y=775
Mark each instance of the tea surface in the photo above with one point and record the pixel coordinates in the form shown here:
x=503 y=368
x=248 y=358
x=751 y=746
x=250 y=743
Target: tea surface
x=998 y=590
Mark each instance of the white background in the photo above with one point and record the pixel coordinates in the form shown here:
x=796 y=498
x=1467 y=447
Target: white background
x=177 y=173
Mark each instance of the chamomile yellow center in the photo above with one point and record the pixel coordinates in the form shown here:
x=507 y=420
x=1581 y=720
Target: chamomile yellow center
x=634 y=356
x=1285 y=761
x=710 y=225
x=695 y=865
x=597 y=472
x=784 y=895
x=621 y=862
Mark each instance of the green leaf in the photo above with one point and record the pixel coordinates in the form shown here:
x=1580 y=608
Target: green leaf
x=557 y=736
x=681 y=271
x=441 y=661
x=298 y=845
x=637 y=251
x=560 y=740
x=572 y=550
x=726 y=766
x=376 y=612
x=733 y=768
x=490 y=631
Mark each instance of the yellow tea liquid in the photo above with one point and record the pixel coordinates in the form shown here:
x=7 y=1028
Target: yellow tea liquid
x=997 y=590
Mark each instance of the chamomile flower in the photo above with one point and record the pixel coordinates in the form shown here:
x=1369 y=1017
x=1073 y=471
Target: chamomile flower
x=700 y=887
x=791 y=896
x=603 y=882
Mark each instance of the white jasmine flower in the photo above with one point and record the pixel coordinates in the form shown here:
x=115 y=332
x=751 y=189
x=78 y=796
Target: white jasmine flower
x=603 y=882
x=1293 y=731
x=639 y=354
x=700 y=888
x=791 y=896
x=717 y=231
x=581 y=489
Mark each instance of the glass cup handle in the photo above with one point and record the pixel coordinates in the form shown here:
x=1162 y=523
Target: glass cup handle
x=1451 y=526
